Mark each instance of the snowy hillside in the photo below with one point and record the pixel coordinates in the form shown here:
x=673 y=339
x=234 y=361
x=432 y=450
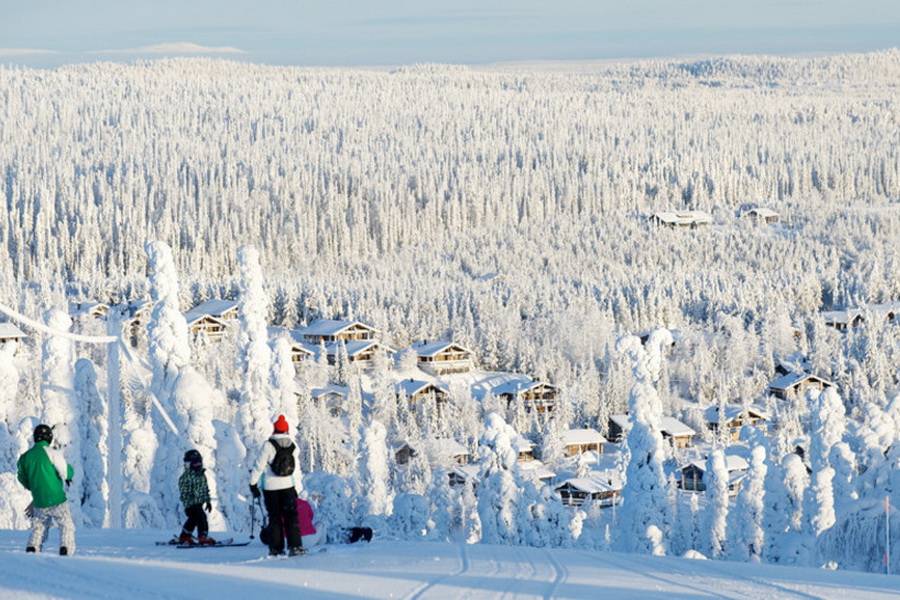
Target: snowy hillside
x=126 y=564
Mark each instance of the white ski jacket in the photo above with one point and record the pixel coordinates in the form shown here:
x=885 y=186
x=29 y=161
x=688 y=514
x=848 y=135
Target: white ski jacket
x=262 y=474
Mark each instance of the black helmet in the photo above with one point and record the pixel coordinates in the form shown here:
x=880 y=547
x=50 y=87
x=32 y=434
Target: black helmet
x=43 y=433
x=193 y=458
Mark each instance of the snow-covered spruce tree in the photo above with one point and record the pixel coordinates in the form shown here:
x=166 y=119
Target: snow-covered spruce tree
x=376 y=497
x=440 y=496
x=746 y=532
x=343 y=370
x=94 y=437
x=284 y=384
x=497 y=490
x=471 y=520
x=60 y=409
x=254 y=356
x=644 y=495
x=716 y=480
x=827 y=429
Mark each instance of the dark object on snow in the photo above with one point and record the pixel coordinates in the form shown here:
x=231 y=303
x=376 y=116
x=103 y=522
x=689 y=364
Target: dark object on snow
x=63 y=551
x=30 y=550
x=296 y=551
x=283 y=463
x=356 y=534
x=254 y=490
x=43 y=433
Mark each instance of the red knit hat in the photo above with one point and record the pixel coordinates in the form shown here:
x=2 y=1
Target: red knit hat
x=281 y=425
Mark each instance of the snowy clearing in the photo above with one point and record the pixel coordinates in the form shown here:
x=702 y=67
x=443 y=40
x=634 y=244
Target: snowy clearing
x=115 y=564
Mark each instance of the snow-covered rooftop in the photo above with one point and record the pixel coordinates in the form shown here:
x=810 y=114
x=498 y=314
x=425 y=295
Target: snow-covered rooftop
x=596 y=482
x=214 y=307
x=536 y=469
x=683 y=217
x=10 y=331
x=765 y=213
x=522 y=444
x=411 y=387
x=790 y=380
x=733 y=462
x=674 y=427
x=330 y=389
x=732 y=411
x=433 y=348
x=320 y=327
x=194 y=316
x=518 y=386
x=354 y=347
x=574 y=437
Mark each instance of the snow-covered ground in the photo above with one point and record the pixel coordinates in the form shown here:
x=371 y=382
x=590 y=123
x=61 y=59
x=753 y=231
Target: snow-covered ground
x=128 y=564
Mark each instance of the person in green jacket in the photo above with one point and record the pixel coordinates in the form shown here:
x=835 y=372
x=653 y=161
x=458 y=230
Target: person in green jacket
x=194 y=491
x=43 y=470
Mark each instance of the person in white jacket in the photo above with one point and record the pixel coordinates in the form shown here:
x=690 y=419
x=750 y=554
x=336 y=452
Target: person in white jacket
x=274 y=471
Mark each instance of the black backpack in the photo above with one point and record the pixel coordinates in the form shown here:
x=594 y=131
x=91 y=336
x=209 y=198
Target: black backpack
x=283 y=463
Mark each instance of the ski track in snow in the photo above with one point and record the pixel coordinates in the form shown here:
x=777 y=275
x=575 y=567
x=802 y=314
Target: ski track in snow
x=127 y=564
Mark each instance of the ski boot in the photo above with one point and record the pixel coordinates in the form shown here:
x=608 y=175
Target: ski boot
x=296 y=551
x=205 y=540
x=186 y=539
x=31 y=550
x=63 y=551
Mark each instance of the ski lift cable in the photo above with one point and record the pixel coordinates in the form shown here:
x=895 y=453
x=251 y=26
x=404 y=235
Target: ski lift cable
x=87 y=339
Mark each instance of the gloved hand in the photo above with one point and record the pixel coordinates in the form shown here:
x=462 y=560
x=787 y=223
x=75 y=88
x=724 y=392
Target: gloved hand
x=29 y=511
x=254 y=489
x=208 y=506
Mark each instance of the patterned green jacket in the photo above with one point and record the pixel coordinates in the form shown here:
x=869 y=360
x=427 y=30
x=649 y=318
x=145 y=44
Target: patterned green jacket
x=193 y=488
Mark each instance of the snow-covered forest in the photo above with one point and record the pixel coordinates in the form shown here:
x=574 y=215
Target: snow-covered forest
x=505 y=210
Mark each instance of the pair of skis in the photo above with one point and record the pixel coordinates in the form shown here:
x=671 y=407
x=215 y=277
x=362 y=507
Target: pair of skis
x=227 y=543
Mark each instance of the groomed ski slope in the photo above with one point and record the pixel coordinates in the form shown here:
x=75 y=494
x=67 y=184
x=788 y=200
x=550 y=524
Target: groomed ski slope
x=129 y=565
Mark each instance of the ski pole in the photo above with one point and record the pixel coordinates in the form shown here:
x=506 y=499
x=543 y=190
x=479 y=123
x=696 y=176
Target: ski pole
x=252 y=518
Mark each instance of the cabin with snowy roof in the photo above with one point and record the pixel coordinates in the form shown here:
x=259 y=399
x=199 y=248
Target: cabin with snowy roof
x=734 y=418
x=359 y=352
x=443 y=357
x=415 y=390
x=537 y=471
x=678 y=434
x=690 y=476
x=439 y=452
x=462 y=474
x=579 y=441
x=328 y=331
x=681 y=218
x=332 y=396
x=854 y=317
x=795 y=385
x=533 y=395
x=137 y=316
x=762 y=215
x=224 y=310
x=203 y=324
x=11 y=337
x=300 y=350
x=604 y=489
x=524 y=449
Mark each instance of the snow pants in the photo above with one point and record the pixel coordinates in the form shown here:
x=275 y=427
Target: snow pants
x=195 y=518
x=282 y=508
x=44 y=518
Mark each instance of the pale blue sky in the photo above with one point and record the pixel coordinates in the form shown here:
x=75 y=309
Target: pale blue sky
x=377 y=32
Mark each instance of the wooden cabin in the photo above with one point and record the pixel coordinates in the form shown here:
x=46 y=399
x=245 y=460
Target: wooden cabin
x=843 y=319
x=690 y=476
x=223 y=310
x=462 y=474
x=579 y=441
x=300 y=350
x=734 y=419
x=524 y=449
x=443 y=357
x=414 y=390
x=329 y=331
x=536 y=471
x=332 y=396
x=673 y=430
x=439 y=452
x=604 y=489
x=795 y=385
x=762 y=215
x=11 y=337
x=680 y=219
x=360 y=352
x=212 y=327
x=137 y=317
x=534 y=395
